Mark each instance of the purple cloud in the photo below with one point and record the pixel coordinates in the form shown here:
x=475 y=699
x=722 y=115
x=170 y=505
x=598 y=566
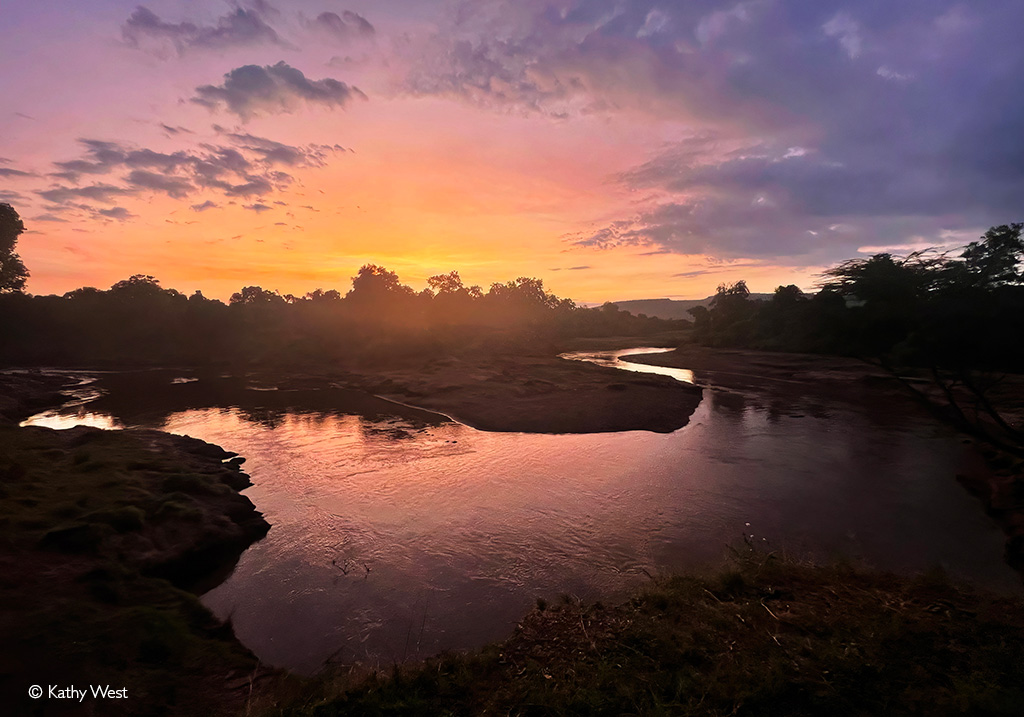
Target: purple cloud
x=251 y=90
x=240 y=27
x=251 y=168
x=344 y=27
x=815 y=126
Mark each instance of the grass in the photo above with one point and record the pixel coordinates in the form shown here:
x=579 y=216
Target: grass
x=86 y=517
x=764 y=637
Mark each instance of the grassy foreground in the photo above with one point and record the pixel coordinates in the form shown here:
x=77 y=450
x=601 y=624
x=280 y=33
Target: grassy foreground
x=105 y=536
x=766 y=637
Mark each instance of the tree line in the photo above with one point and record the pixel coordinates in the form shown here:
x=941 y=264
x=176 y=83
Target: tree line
x=953 y=310
x=957 y=311
x=138 y=322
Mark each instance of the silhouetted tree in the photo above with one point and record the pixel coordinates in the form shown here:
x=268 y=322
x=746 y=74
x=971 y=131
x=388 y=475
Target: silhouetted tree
x=256 y=296
x=788 y=295
x=731 y=313
x=12 y=271
x=373 y=283
x=141 y=288
x=995 y=260
x=319 y=295
x=450 y=283
x=137 y=322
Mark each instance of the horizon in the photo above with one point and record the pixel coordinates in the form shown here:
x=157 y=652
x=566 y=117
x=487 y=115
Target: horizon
x=617 y=152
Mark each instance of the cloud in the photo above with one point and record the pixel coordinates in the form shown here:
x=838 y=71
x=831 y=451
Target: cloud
x=890 y=120
x=251 y=90
x=175 y=130
x=277 y=153
x=258 y=208
x=100 y=158
x=175 y=187
x=254 y=186
x=570 y=268
x=48 y=218
x=119 y=213
x=847 y=32
x=245 y=166
x=106 y=193
x=241 y=27
x=584 y=57
x=725 y=267
x=343 y=28
x=11 y=173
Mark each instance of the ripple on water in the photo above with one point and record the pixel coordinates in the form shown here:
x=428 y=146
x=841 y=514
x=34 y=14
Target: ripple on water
x=448 y=534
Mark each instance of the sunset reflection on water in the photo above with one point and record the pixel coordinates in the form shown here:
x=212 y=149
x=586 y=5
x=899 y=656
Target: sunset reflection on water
x=394 y=539
x=619 y=359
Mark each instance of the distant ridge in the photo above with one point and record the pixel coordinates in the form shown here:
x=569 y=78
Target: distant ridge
x=671 y=308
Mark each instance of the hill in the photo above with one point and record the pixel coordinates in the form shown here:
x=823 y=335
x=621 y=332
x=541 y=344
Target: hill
x=671 y=308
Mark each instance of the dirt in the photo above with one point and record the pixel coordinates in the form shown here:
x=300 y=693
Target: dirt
x=534 y=394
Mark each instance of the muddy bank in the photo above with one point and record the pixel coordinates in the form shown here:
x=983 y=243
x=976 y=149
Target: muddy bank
x=260 y=398
x=25 y=392
x=106 y=537
x=533 y=394
x=776 y=373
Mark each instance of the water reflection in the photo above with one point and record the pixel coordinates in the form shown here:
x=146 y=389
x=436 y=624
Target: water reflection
x=619 y=359
x=149 y=399
x=393 y=539
x=64 y=418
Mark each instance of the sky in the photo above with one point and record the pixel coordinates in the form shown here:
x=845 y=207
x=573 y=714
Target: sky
x=617 y=150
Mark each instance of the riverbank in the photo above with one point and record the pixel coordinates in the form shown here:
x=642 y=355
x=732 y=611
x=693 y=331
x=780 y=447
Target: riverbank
x=539 y=394
x=529 y=394
x=778 y=374
x=763 y=637
x=106 y=539
x=23 y=393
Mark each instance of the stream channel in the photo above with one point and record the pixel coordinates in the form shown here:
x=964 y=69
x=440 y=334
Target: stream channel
x=394 y=537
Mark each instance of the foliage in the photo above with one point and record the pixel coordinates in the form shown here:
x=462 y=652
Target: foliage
x=138 y=322
x=954 y=313
x=255 y=295
x=12 y=271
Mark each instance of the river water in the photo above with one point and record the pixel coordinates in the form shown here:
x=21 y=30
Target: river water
x=396 y=536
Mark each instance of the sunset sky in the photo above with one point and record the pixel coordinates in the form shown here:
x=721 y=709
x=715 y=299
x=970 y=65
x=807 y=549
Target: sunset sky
x=616 y=150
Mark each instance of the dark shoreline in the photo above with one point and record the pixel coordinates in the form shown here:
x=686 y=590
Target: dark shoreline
x=519 y=393
x=533 y=394
x=106 y=540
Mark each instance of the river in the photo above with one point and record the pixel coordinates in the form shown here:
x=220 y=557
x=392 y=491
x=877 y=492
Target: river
x=395 y=537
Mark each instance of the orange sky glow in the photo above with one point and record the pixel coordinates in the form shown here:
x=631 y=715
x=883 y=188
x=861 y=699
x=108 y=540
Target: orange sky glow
x=613 y=156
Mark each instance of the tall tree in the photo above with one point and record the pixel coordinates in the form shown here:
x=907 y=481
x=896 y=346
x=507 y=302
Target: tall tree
x=995 y=259
x=12 y=271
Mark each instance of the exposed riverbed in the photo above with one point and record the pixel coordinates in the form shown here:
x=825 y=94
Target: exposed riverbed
x=395 y=536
